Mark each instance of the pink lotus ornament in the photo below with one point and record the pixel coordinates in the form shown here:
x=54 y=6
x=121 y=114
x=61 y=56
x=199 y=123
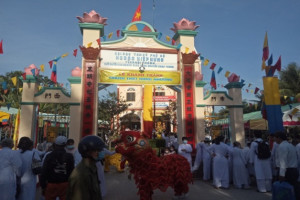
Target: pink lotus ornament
x=198 y=76
x=28 y=70
x=184 y=24
x=92 y=17
x=76 y=72
x=233 y=78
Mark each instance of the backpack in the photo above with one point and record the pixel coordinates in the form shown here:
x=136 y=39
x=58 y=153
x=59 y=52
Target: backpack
x=263 y=150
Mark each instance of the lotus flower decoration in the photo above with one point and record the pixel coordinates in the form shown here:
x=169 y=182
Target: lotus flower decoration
x=92 y=17
x=76 y=72
x=184 y=24
x=28 y=70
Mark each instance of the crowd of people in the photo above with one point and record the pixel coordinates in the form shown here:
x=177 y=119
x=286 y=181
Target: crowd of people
x=71 y=173
x=52 y=171
x=255 y=164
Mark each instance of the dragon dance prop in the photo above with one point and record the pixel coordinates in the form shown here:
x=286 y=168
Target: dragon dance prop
x=150 y=171
x=271 y=109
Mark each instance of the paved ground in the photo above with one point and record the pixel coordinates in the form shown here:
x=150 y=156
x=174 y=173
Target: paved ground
x=119 y=187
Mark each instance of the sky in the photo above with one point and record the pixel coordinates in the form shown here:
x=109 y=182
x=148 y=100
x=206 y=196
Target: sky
x=231 y=32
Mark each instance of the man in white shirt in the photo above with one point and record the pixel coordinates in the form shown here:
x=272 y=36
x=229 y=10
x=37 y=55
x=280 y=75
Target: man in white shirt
x=286 y=161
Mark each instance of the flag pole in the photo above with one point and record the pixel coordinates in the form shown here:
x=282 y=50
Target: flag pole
x=153 y=8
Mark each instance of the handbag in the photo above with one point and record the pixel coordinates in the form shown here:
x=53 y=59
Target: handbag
x=36 y=165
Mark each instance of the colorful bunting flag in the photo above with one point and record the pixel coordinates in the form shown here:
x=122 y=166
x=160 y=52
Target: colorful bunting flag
x=186 y=49
x=75 y=52
x=213 y=82
x=65 y=55
x=256 y=90
x=104 y=37
x=178 y=46
x=118 y=33
x=40 y=87
x=137 y=15
x=251 y=91
x=56 y=59
x=1 y=48
x=14 y=80
x=263 y=65
x=227 y=73
x=53 y=74
x=212 y=67
x=168 y=38
x=50 y=63
x=4 y=85
x=33 y=72
x=270 y=60
x=278 y=64
x=42 y=68
x=110 y=35
x=247 y=90
x=159 y=35
x=265 y=48
x=98 y=41
x=24 y=76
x=173 y=42
x=249 y=85
x=202 y=58
x=89 y=44
x=206 y=61
x=219 y=70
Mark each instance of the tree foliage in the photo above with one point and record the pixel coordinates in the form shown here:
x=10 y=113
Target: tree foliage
x=13 y=96
x=289 y=81
x=110 y=106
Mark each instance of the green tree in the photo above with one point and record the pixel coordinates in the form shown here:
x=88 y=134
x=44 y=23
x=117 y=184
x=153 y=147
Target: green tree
x=109 y=107
x=11 y=95
x=289 y=82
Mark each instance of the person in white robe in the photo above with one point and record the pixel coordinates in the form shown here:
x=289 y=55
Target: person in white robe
x=263 y=171
x=28 y=179
x=206 y=159
x=220 y=153
x=185 y=150
x=240 y=172
x=198 y=158
x=10 y=168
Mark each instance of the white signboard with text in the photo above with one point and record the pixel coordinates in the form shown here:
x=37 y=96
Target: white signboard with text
x=131 y=60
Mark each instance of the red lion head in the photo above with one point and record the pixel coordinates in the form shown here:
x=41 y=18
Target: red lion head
x=130 y=142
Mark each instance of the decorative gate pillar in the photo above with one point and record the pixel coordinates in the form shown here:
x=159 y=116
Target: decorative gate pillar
x=28 y=107
x=188 y=96
x=237 y=132
x=185 y=35
x=92 y=28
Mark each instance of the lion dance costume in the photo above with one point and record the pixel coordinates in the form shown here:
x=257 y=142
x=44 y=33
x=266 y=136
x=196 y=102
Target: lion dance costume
x=150 y=171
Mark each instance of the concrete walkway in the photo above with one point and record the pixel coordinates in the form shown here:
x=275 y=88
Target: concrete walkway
x=119 y=187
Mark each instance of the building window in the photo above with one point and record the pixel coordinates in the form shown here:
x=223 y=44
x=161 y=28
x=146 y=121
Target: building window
x=159 y=94
x=130 y=96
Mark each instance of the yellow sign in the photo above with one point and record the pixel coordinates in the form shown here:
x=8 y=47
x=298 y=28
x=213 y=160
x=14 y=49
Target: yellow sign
x=137 y=77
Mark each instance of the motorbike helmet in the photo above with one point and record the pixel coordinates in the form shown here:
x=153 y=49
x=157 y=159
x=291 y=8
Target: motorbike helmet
x=90 y=143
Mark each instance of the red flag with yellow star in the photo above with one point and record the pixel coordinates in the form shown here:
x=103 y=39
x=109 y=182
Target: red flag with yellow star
x=137 y=15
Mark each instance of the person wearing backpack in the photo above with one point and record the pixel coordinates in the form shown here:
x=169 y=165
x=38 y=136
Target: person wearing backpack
x=28 y=178
x=57 y=168
x=261 y=160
